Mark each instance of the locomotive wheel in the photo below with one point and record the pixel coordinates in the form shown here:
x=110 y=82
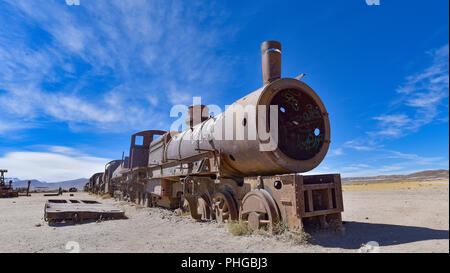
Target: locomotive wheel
x=225 y=207
x=185 y=206
x=203 y=207
x=260 y=210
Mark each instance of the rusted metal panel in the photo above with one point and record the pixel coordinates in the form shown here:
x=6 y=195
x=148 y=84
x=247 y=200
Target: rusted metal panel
x=324 y=195
x=110 y=168
x=166 y=187
x=139 y=152
x=79 y=210
x=338 y=192
x=310 y=201
x=297 y=201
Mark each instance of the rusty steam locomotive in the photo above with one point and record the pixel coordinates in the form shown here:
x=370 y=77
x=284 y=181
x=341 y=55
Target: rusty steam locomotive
x=252 y=179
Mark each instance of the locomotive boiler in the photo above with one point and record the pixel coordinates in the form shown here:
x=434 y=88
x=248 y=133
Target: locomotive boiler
x=242 y=164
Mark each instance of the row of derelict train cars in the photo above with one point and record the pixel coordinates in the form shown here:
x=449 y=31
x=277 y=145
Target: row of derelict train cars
x=215 y=177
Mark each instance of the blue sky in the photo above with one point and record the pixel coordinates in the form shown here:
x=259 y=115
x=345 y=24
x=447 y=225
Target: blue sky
x=77 y=81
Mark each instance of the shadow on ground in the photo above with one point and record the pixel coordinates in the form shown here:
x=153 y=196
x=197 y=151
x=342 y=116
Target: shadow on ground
x=358 y=233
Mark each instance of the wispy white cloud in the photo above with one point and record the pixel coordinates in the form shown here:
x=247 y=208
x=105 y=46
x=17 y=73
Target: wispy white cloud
x=60 y=165
x=435 y=77
x=396 y=120
x=8 y=127
x=392 y=124
x=422 y=101
x=64 y=150
x=392 y=162
x=150 y=54
x=423 y=96
x=416 y=158
x=358 y=144
x=336 y=152
x=382 y=170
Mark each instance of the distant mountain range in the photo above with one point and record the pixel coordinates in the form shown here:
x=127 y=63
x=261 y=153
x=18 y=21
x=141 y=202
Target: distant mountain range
x=422 y=176
x=76 y=183
x=14 y=179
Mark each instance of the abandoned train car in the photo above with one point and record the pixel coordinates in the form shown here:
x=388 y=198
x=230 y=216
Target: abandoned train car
x=252 y=179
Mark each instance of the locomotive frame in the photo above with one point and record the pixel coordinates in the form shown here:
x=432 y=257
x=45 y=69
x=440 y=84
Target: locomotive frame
x=231 y=180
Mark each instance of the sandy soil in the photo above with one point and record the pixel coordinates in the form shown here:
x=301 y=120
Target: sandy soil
x=408 y=217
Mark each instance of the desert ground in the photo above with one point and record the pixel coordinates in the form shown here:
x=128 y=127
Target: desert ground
x=399 y=216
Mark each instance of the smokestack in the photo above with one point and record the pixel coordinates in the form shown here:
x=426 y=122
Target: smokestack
x=197 y=114
x=271 y=61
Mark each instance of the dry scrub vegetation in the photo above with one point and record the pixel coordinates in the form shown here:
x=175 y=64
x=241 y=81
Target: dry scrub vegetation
x=296 y=237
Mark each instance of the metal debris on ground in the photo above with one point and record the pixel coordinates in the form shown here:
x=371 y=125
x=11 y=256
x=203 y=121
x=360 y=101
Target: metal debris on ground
x=6 y=190
x=78 y=211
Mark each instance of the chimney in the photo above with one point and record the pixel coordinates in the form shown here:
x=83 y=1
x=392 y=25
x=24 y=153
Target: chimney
x=271 y=61
x=197 y=114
